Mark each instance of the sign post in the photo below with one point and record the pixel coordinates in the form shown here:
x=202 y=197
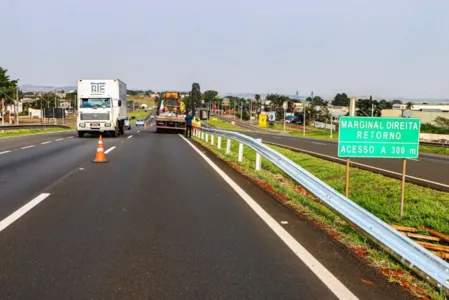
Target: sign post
x=379 y=138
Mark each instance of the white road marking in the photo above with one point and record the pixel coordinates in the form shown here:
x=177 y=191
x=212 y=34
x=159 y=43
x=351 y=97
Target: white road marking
x=337 y=287
x=130 y=136
x=4 y=152
x=362 y=165
x=138 y=131
x=21 y=211
x=26 y=147
x=413 y=159
x=70 y=137
x=44 y=143
x=109 y=150
x=284 y=222
x=59 y=140
x=318 y=143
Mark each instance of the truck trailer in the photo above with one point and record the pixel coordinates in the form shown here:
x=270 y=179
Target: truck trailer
x=101 y=106
x=171 y=113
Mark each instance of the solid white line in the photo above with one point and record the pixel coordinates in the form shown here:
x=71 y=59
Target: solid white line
x=44 y=143
x=413 y=159
x=130 y=136
x=59 y=140
x=26 y=147
x=21 y=211
x=109 y=150
x=338 y=288
x=4 y=152
x=362 y=165
x=318 y=143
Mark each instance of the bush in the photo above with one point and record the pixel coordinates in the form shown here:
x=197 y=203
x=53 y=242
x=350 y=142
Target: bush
x=244 y=117
x=430 y=128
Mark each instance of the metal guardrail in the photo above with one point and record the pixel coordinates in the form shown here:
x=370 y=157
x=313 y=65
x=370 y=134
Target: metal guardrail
x=423 y=262
x=31 y=126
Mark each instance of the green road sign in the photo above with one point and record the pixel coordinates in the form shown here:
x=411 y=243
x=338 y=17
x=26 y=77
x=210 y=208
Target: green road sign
x=378 y=137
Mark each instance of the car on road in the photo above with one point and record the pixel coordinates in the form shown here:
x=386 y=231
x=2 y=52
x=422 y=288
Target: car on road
x=140 y=122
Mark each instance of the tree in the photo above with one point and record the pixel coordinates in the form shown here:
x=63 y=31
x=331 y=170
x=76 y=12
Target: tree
x=367 y=107
x=396 y=102
x=7 y=86
x=195 y=98
x=383 y=104
x=409 y=105
x=442 y=122
x=210 y=96
x=72 y=98
x=49 y=100
x=341 y=100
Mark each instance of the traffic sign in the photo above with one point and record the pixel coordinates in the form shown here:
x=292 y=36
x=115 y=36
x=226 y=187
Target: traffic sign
x=378 y=137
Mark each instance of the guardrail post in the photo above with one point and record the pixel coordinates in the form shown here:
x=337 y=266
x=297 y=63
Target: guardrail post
x=228 y=146
x=212 y=139
x=207 y=137
x=240 y=152
x=258 y=158
x=219 y=142
x=202 y=135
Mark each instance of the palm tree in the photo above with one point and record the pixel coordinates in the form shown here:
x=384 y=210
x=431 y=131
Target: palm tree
x=409 y=105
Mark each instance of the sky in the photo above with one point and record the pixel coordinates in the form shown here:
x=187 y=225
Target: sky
x=389 y=48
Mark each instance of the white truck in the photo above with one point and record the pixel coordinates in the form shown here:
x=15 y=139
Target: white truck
x=101 y=106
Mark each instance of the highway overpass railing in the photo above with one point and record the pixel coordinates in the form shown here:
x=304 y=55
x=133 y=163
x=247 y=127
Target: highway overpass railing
x=423 y=262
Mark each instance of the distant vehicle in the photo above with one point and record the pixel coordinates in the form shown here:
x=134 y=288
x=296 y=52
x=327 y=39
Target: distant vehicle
x=140 y=122
x=101 y=106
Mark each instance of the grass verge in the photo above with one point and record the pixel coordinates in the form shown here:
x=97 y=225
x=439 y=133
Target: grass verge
x=376 y=193
x=224 y=125
x=20 y=132
x=139 y=114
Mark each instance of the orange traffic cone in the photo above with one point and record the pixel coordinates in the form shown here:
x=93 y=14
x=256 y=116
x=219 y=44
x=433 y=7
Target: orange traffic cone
x=100 y=157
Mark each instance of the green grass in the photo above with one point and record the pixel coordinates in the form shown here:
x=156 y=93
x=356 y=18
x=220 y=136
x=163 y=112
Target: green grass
x=149 y=101
x=434 y=149
x=224 y=125
x=139 y=114
x=378 y=194
x=20 y=132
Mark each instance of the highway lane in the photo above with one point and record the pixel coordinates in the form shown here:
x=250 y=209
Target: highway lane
x=157 y=222
x=431 y=168
x=17 y=142
x=35 y=162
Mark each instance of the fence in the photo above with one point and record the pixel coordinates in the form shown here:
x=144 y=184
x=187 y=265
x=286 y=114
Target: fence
x=423 y=262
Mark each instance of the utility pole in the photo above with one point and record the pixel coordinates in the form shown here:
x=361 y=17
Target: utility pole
x=250 y=111
x=17 y=106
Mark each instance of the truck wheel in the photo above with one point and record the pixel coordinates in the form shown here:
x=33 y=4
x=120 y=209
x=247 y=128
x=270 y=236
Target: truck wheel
x=115 y=133
x=80 y=134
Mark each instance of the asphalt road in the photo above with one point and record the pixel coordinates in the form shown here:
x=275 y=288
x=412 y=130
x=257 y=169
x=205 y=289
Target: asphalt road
x=157 y=222
x=432 y=170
